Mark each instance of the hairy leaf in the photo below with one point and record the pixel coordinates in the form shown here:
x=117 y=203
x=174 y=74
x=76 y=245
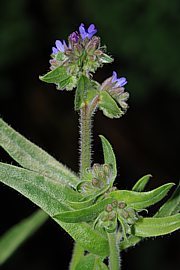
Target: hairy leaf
x=141 y=200
x=85 y=92
x=32 y=157
x=57 y=75
x=85 y=214
x=51 y=197
x=141 y=183
x=91 y=262
x=81 y=204
x=15 y=236
x=108 y=105
x=109 y=157
x=172 y=206
x=132 y=240
x=149 y=227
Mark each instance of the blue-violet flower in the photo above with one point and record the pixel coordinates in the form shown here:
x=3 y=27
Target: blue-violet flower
x=91 y=31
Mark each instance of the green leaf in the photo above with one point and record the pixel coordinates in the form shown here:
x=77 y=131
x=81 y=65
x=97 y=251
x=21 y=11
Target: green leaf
x=77 y=254
x=91 y=262
x=57 y=75
x=141 y=183
x=85 y=92
x=68 y=83
x=149 y=227
x=38 y=188
x=89 y=200
x=12 y=239
x=132 y=240
x=32 y=157
x=51 y=197
x=81 y=204
x=105 y=58
x=141 y=200
x=108 y=105
x=85 y=214
x=109 y=156
x=172 y=206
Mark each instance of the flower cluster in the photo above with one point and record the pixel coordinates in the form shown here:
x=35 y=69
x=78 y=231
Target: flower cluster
x=115 y=87
x=82 y=54
x=98 y=177
x=117 y=214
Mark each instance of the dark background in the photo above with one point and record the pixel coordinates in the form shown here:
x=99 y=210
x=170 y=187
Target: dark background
x=144 y=38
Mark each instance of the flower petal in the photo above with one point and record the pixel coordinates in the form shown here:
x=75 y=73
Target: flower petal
x=114 y=77
x=121 y=82
x=54 y=50
x=59 y=45
x=82 y=31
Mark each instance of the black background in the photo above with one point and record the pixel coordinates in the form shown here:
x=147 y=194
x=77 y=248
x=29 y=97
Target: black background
x=144 y=38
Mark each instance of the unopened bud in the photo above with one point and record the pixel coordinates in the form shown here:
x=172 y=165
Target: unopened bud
x=109 y=208
x=121 y=205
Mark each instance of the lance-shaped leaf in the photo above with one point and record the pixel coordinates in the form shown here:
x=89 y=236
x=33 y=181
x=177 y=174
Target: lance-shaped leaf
x=149 y=227
x=109 y=157
x=172 y=206
x=89 y=200
x=85 y=92
x=57 y=75
x=52 y=199
x=109 y=106
x=91 y=262
x=141 y=183
x=141 y=200
x=85 y=214
x=32 y=157
x=15 y=236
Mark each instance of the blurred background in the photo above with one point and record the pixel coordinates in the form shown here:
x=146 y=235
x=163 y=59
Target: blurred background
x=144 y=38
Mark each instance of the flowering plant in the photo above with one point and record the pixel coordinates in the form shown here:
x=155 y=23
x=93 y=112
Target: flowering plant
x=101 y=219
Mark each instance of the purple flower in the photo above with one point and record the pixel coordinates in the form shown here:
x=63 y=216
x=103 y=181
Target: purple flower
x=60 y=47
x=74 y=37
x=54 y=50
x=87 y=33
x=118 y=82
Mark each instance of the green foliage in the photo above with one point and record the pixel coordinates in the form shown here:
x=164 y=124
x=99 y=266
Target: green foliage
x=172 y=206
x=109 y=157
x=85 y=92
x=32 y=157
x=131 y=241
x=149 y=227
x=141 y=200
x=84 y=214
x=109 y=106
x=141 y=183
x=56 y=75
x=52 y=198
x=91 y=262
x=13 y=238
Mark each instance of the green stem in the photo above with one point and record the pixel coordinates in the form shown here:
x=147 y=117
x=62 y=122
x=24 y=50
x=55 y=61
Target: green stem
x=78 y=252
x=86 y=114
x=85 y=139
x=114 y=257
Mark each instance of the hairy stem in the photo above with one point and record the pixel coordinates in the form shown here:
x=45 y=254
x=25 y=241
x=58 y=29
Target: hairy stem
x=114 y=257
x=85 y=120
x=85 y=139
